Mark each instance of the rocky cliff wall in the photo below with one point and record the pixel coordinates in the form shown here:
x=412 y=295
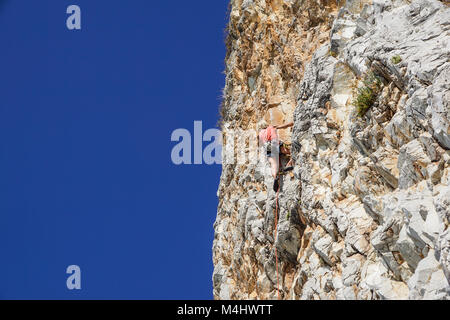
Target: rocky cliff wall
x=365 y=213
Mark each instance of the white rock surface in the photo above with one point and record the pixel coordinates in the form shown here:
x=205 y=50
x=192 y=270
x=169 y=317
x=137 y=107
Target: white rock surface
x=365 y=213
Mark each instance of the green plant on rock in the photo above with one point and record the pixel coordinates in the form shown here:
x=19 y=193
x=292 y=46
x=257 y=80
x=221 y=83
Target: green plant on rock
x=396 y=59
x=367 y=94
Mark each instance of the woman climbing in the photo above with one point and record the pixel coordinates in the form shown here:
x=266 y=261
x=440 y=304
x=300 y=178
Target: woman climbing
x=274 y=147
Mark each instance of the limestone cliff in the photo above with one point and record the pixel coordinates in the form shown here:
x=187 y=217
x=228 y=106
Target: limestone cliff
x=365 y=213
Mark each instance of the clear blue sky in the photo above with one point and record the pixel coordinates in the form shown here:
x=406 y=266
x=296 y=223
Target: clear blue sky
x=85 y=171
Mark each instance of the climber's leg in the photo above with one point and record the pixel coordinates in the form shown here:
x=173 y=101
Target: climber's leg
x=276 y=184
x=285 y=150
x=274 y=167
x=289 y=167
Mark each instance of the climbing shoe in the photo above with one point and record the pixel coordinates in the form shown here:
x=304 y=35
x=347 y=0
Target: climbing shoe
x=276 y=184
x=287 y=169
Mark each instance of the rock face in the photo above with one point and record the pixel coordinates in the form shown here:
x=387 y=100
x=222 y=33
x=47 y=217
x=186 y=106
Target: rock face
x=365 y=212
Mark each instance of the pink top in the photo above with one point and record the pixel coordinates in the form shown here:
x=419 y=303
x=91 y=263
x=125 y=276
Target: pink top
x=268 y=134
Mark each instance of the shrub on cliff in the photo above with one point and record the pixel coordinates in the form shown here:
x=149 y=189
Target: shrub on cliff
x=367 y=94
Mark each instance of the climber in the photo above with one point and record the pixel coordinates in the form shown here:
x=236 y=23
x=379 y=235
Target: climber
x=274 y=148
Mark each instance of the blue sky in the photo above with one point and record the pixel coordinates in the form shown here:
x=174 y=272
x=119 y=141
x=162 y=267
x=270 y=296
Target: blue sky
x=86 y=176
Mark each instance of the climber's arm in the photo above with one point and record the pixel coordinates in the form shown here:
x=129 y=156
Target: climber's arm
x=287 y=125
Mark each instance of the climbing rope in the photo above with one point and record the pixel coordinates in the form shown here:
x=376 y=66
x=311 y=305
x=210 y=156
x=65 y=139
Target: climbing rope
x=276 y=254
